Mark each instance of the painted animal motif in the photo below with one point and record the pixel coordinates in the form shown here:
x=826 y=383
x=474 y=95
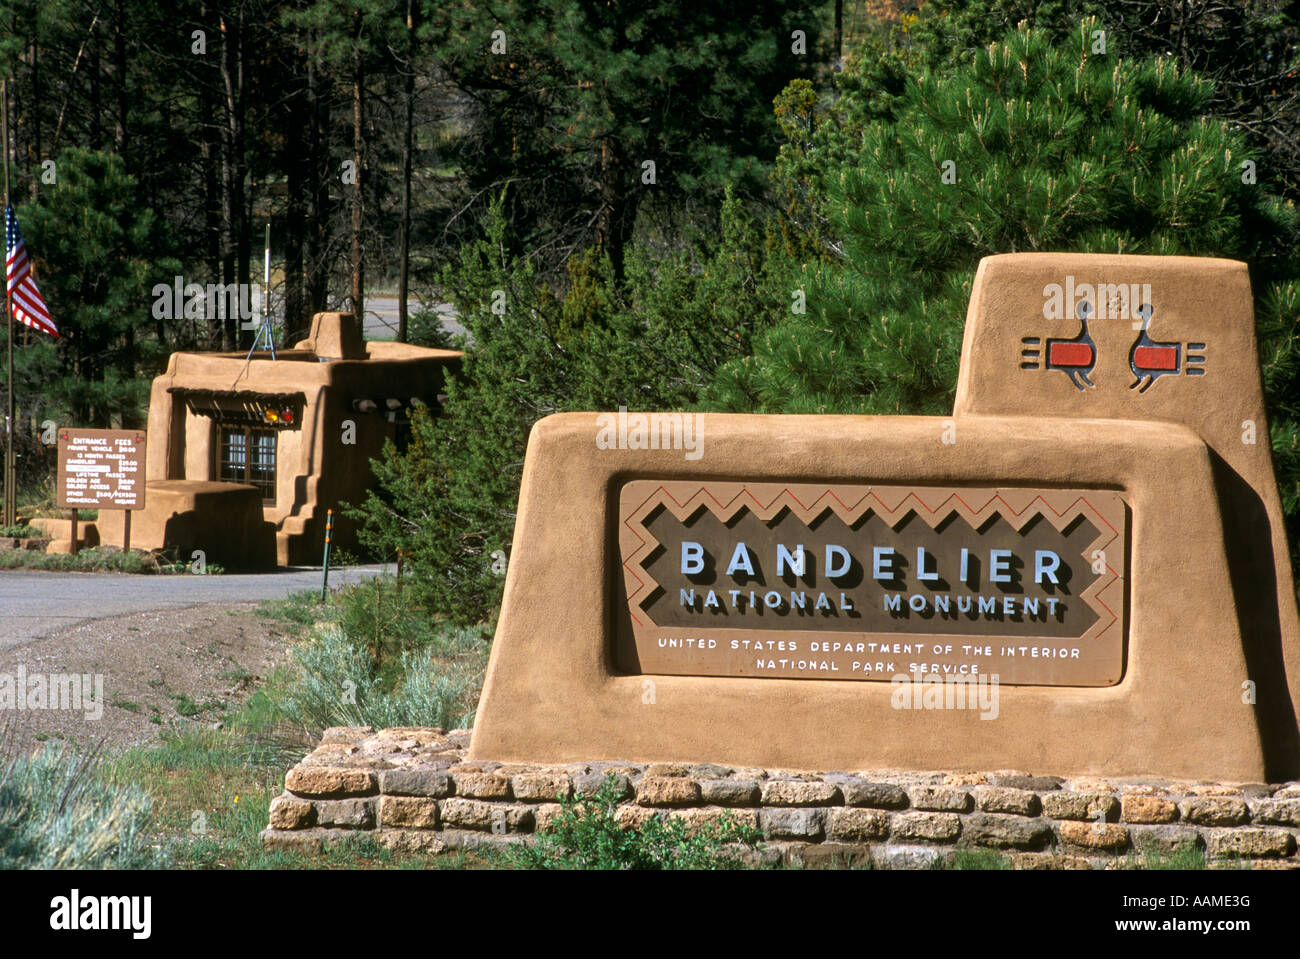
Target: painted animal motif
x=1150 y=359
x=1076 y=357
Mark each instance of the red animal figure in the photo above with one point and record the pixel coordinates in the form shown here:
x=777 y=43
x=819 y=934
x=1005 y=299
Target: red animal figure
x=1150 y=359
x=1077 y=357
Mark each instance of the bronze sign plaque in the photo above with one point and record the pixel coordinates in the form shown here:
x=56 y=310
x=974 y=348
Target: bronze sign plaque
x=101 y=469
x=816 y=581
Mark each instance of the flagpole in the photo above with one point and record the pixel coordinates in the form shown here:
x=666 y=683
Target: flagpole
x=11 y=493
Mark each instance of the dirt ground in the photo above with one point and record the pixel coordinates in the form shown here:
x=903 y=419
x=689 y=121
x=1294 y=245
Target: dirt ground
x=161 y=669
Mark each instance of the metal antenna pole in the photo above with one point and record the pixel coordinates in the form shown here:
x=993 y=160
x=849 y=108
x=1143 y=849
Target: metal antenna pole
x=264 y=328
x=266 y=294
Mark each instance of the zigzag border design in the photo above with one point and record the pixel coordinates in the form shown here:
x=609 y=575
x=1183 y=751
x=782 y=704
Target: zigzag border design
x=809 y=501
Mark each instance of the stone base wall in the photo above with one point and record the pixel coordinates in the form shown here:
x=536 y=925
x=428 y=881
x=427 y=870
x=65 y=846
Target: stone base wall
x=411 y=789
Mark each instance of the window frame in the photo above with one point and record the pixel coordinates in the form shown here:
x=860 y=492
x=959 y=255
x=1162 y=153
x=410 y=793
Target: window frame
x=248 y=431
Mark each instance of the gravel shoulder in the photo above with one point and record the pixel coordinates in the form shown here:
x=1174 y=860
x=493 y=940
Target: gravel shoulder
x=164 y=668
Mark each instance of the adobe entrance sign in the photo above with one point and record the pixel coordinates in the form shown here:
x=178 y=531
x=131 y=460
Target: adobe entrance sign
x=1096 y=528
x=867 y=582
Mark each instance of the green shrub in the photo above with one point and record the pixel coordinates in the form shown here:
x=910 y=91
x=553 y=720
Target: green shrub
x=373 y=616
x=57 y=811
x=334 y=683
x=586 y=835
x=20 y=530
x=301 y=606
x=85 y=561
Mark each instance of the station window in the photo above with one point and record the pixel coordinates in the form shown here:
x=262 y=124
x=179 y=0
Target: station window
x=247 y=455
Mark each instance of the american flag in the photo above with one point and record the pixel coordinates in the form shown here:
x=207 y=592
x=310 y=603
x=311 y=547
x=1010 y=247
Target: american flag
x=27 y=304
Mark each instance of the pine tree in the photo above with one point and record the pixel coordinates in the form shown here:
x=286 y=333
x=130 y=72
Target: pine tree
x=96 y=254
x=653 y=342
x=593 y=109
x=1053 y=147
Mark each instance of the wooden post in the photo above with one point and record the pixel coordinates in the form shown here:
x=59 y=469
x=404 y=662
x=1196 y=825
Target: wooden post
x=325 y=572
x=126 y=531
x=400 y=557
x=74 y=532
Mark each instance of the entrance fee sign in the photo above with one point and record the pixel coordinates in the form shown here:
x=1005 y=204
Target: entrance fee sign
x=870 y=582
x=101 y=469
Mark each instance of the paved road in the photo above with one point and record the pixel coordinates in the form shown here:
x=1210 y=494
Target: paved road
x=381 y=317
x=33 y=603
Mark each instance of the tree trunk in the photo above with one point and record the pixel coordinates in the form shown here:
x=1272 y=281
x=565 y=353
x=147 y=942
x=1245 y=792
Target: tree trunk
x=123 y=99
x=233 y=237
x=36 y=110
x=358 y=90
x=320 y=171
x=613 y=225
x=96 y=136
x=839 y=35
x=244 y=225
x=404 y=255
x=295 y=164
x=210 y=147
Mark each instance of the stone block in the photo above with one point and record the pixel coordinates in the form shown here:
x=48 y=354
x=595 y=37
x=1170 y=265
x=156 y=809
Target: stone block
x=590 y=783
x=1278 y=812
x=1005 y=832
x=345 y=813
x=1215 y=810
x=1103 y=836
x=306 y=841
x=415 y=781
x=858 y=825
x=1249 y=843
x=940 y=798
x=1034 y=783
x=667 y=769
x=730 y=792
x=861 y=792
x=834 y=855
x=924 y=826
x=544 y=814
x=905 y=857
x=499 y=818
x=1003 y=799
x=792 y=792
x=792 y=823
x=290 y=812
x=696 y=819
x=478 y=785
x=541 y=786
x=330 y=781
x=667 y=791
x=1148 y=809
x=1084 y=805
x=411 y=812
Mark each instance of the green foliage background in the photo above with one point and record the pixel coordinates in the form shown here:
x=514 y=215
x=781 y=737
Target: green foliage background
x=653 y=341
x=1056 y=147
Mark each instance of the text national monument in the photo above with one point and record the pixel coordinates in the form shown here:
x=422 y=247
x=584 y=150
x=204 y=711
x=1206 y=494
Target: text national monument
x=1084 y=570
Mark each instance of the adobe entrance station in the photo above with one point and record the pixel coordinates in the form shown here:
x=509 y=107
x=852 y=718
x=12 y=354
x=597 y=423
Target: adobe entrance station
x=246 y=452
x=1094 y=537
